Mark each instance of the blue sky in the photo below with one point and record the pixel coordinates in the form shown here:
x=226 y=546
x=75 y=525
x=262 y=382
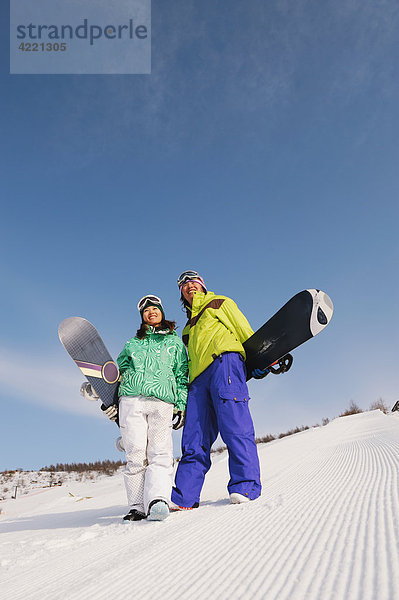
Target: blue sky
x=262 y=151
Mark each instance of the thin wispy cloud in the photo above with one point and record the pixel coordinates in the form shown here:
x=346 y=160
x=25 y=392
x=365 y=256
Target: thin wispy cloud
x=42 y=381
x=253 y=61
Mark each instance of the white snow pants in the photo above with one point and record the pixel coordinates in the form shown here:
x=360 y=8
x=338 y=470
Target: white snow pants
x=146 y=429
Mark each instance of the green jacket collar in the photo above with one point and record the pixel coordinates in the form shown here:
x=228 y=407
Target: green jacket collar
x=153 y=331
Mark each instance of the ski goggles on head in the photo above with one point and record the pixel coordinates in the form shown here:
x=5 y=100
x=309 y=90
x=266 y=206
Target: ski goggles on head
x=148 y=301
x=190 y=276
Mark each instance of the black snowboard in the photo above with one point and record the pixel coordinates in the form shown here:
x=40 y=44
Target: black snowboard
x=303 y=317
x=84 y=345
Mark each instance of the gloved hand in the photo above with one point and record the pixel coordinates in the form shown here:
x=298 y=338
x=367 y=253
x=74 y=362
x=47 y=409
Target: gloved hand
x=111 y=411
x=260 y=373
x=179 y=416
x=88 y=392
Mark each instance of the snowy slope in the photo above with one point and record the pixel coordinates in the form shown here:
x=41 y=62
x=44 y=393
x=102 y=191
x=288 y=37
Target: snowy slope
x=326 y=526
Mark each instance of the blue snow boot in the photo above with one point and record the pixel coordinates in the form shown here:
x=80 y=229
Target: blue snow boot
x=158 y=510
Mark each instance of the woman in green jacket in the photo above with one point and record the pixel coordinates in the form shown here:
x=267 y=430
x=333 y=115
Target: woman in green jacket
x=154 y=382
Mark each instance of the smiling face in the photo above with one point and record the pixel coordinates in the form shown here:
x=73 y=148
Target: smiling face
x=189 y=288
x=152 y=316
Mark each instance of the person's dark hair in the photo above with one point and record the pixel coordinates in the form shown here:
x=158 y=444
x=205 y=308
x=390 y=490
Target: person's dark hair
x=185 y=307
x=165 y=324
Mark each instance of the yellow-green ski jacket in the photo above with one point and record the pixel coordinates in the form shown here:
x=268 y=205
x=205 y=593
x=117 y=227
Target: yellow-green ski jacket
x=216 y=326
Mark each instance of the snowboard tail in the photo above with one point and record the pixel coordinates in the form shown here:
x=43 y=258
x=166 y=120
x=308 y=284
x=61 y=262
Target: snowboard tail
x=84 y=345
x=300 y=319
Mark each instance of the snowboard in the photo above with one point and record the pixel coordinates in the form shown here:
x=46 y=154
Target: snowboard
x=84 y=345
x=300 y=319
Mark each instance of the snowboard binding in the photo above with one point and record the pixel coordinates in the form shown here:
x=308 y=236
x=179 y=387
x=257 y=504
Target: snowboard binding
x=284 y=365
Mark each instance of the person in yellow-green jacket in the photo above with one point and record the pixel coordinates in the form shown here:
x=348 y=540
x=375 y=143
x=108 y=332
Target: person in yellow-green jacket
x=218 y=395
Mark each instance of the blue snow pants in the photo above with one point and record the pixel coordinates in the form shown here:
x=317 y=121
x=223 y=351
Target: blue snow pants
x=218 y=402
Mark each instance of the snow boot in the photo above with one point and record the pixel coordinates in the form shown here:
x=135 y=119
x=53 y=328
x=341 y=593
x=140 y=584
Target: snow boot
x=173 y=507
x=238 y=498
x=158 y=510
x=134 y=515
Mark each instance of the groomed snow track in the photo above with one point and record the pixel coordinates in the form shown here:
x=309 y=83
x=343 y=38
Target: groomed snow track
x=325 y=527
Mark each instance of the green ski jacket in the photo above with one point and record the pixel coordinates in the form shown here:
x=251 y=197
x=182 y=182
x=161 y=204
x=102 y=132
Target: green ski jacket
x=155 y=365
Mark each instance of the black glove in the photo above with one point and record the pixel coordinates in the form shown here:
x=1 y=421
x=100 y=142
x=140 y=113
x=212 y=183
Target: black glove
x=179 y=416
x=260 y=373
x=88 y=392
x=111 y=411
